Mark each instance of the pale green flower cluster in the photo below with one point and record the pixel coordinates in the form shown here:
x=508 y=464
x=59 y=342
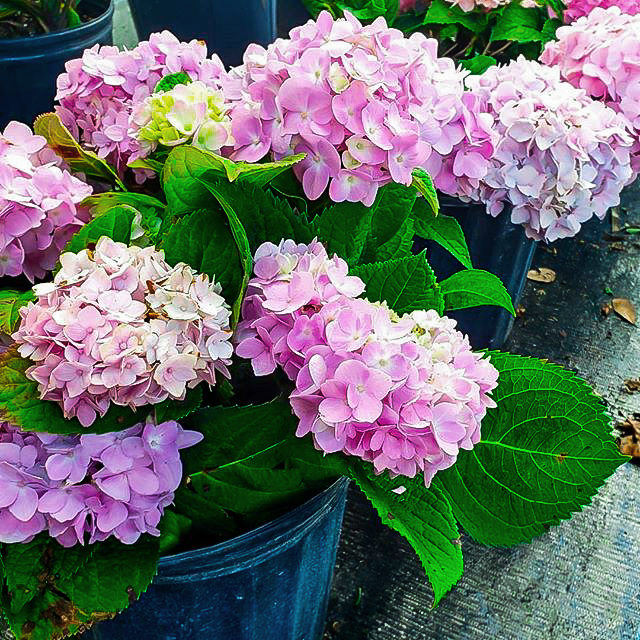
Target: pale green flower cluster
x=192 y=113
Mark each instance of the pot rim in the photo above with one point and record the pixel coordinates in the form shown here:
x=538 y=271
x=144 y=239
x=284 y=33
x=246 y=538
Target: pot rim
x=252 y=547
x=48 y=38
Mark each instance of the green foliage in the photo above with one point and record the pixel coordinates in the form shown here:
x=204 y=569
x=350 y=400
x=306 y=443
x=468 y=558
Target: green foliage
x=517 y=24
x=116 y=223
x=20 y=404
x=10 y=304
x=447 y=232
x=79 y=160
x=479 y=64
x=545 y=450
x=52 y=592
x=423 y=516
x=50 y=15
x=474 y=288
x=441 y=12
x=405 y=284
x=424 y=184
x=172 y=80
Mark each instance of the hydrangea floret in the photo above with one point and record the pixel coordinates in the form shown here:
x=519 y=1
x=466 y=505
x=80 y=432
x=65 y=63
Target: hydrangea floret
x=580 y=8
x=119 y=325
x=39 y=203
x=405 y=393
x=600 y=53
x=190 y=112
x=99 y=92
x=561 y=157
x=365 y=104
x=85 y=489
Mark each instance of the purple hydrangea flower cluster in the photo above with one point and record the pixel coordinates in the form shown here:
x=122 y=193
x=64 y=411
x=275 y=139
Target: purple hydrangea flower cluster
x=579 y=8
x=561 y=157
x=600 y=53
x=366 y=105
x=38 y=204
x=89 y=487
x=99 y=91
x=119 y=325
x=405 y=393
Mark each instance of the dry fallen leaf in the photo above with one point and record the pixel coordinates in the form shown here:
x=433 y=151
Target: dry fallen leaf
x=630 y=441
x=606 y=309
x=625 y=309
x=542 y=274
x=632 y=385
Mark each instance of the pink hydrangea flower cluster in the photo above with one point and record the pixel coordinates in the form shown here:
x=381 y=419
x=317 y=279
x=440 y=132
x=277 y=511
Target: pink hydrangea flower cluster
x=99 y=91
x=600 y=53
x=119 y=325
x=38 y=204
x=561 y=157
x=579 y=8
x=405 y=393
x=91 y=487
x=487 y=5
x=365 y=104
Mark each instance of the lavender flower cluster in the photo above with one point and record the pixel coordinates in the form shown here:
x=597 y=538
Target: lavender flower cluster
x=580 y=8
x=119 y=325
x=560 y=157
x=366 y=105
x=39 y=202
x=87 y=488
x=405 y=393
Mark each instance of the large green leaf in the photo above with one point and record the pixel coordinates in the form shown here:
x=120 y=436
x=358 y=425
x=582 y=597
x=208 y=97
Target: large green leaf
x=423 y=516
x=79 y=160
x=116 y=223
x=475 y=288
x=10 y=304
x=66 y=590
x=517 y=24
x=20 y=404
x=447 y=232
x=204 y=241
x=442 y=12
x=405 y=284
x=545 y=450
x=344 y=228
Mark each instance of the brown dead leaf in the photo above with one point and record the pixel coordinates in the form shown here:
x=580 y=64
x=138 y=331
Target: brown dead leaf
x=606 y=309
x=629 y=443
x=520 y=311
x=542 y=274
x=625 y=309
x=632 y=385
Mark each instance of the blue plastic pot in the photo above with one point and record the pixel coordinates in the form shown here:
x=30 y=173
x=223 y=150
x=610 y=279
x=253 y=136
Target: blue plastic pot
x=269 y=584
x=227 y=26
x=496 y=245
x=29 y=66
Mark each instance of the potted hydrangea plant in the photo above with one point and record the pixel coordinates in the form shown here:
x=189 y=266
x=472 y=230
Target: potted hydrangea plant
x=214 y=353
x=36 y=38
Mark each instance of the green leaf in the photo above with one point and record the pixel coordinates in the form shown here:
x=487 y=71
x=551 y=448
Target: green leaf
x=405 y=284
x=424 y=184
x=447 y=232
x=475 y=288
x=549 y=29
x=478 y=64
x=79 y=160
x=517 y=24
x=441 y=12
x=423 y=516
x=10 y=305
x=69 y=589
x=400 y=245
x=174 y=527
x=204 y=241
x=545 y=450
x=172 y=410
x=172 y=80
x=344 y=229
x=20 y=404
x=116 y=223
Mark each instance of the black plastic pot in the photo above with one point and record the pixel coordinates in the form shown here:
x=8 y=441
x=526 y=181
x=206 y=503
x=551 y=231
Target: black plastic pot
x=227 y=26
x=291 y=13
x=269 y=584
x=496 y=245
x=29 y=66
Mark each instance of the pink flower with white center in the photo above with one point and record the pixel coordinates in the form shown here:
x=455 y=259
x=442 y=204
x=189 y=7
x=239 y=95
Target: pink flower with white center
x=405 y=393
x=358 y=89
x=39 y=204
x=93 y=344
x=89 y=488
